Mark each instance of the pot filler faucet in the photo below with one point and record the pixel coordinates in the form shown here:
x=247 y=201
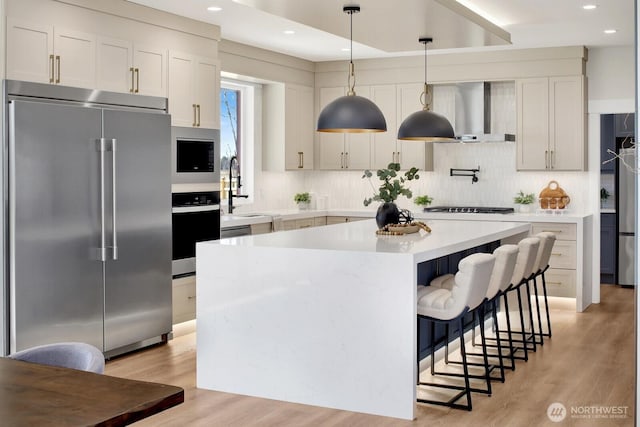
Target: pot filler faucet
x=231 y=195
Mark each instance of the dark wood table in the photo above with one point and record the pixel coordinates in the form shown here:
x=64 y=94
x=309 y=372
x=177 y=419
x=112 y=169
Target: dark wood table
x=34 y=395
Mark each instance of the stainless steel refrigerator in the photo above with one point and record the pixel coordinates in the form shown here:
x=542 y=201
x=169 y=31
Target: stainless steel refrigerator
x=626 y=219
x=88 y=244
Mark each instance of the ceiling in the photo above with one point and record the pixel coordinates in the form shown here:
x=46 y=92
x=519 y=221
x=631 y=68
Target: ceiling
x=383 y=29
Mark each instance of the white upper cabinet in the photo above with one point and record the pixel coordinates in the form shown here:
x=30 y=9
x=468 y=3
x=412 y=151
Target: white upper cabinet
x=397 y=102
x=299 y=127
x=127 y=67
x=44 y=54
x=551 y=123
x=343 y=151
x=384 y=149
x=194 y=94
x=114 y=65
x=417 y=154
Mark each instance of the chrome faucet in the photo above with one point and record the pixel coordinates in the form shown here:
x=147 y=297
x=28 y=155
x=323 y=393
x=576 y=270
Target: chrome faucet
x=231 y=195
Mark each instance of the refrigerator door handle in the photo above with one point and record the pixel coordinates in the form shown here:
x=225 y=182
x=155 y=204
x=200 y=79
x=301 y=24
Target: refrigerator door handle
x=102 y=250
x=114 y=240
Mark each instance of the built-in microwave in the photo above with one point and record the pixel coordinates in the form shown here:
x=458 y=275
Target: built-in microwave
x=195 y=155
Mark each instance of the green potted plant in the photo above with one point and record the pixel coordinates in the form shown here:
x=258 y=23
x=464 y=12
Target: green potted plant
x=423 y=200
x=524 y=200
x=392 y=186
x=303 y=200
x=604 y=195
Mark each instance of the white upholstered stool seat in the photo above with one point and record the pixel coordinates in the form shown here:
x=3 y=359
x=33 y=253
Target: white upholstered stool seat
x=438 y=304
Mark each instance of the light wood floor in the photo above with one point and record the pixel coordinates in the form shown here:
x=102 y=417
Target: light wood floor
x=589 y=361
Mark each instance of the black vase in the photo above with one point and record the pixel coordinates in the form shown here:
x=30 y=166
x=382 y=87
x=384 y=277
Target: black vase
x=388 y=213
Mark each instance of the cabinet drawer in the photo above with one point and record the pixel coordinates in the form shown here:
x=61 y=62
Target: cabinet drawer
x=261 y=228
x=563 y=255
x=560 y=283
x=184 y=299
x=305 y=223
x=320 y=220
x=289 y=225
x=562 y=231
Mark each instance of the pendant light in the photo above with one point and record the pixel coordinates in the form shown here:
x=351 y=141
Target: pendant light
x=351 y=113
x=426 y=125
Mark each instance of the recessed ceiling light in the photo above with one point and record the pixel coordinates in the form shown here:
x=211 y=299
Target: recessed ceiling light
x=589 y=6
x=610 y=31
x=214 y=9
x=289 y=32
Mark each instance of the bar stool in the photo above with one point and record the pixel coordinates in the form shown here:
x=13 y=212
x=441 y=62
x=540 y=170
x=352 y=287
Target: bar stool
x=506 y=256
x=523 y=272
x=547 y=240
x=448 y=306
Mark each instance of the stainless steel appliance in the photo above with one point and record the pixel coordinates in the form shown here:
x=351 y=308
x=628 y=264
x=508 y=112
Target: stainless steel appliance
x=196 y=218
x=195 y=155
x=468 y=209
x=89 y=217
x=626 y=193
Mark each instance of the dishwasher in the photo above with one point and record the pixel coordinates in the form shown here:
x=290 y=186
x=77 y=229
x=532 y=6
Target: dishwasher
x=236 y=231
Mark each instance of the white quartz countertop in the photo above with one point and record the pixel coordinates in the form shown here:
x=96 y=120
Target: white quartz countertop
x=445 y=238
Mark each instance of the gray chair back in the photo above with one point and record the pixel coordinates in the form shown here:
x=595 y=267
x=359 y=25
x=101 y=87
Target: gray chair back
x=75 y=355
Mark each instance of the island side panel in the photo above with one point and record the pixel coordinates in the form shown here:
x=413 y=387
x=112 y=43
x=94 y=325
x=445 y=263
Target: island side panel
x=322 y=327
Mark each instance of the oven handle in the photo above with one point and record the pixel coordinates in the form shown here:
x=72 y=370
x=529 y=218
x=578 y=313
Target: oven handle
x=187 y=209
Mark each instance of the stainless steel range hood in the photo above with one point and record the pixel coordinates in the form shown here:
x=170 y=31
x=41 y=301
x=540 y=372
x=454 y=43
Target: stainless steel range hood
x=472 y=116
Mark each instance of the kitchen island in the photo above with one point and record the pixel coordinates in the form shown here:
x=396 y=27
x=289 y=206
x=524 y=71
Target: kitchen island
x=322 y=316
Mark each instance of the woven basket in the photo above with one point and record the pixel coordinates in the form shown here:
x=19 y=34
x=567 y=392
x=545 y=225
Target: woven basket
x=553 y=197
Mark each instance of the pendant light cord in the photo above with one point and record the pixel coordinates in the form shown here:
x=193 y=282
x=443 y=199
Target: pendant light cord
x=351 y=81
x=425 y=91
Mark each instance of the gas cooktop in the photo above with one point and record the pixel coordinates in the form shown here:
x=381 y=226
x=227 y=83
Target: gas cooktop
x=468 y=209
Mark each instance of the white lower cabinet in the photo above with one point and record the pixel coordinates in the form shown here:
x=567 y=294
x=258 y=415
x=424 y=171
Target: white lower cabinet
x=561 y=276
x=184 y=299
x=340 y=219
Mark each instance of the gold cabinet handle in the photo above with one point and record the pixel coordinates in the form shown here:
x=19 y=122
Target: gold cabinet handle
x=346 y=160
x=398 y=156
x=552 y=160
x=195 y=123
x=553 y=231
x=131 y=70
x=341 y=160
x=300 y=160
x=546 y=159
x=198 y=108
x=556 y=254
x=137 y=71
x=553 y=283
x=51 y=77
x=58 y=67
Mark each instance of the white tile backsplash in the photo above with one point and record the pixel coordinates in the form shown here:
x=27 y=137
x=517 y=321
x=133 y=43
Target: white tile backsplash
x=498 y=182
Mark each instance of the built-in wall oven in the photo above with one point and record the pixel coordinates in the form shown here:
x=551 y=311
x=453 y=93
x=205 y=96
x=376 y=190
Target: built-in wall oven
x=196 y=218
x=195 y=179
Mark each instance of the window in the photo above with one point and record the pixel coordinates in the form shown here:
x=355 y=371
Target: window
x=237 y=124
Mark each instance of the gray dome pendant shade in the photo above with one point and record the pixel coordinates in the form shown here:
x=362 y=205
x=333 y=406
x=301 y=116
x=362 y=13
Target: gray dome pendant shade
x=351 y=113
x=426 y=125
